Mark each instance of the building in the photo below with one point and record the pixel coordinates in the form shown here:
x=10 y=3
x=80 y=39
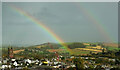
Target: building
x=10 y=53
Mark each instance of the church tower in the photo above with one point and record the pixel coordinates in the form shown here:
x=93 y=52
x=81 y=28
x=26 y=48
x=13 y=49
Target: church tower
x=10 y=52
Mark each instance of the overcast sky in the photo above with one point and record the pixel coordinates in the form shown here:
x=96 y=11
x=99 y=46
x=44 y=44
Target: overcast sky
x=59 y=0
x=70 y=21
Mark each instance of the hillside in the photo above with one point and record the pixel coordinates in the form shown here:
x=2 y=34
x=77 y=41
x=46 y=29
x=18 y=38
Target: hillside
x=110 y=44
x=77 y=48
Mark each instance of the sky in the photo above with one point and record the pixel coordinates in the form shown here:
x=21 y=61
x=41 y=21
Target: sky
x=71 y=21
x=59 y=0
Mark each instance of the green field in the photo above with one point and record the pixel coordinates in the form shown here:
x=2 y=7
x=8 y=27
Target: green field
x=113 y=48
x=78 y=52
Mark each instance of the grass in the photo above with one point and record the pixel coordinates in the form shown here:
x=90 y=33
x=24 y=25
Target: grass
x=113 y=48
x=78 y=52
x=17 y=51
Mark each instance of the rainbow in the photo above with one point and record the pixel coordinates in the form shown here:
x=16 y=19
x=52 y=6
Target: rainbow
x=42 y=26
x=86 y=12
x=96 y=22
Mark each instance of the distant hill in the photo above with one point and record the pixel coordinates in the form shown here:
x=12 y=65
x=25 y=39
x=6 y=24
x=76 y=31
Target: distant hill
x=49 y=46
x=110 y=44
x=75 y=48
x=72 y=45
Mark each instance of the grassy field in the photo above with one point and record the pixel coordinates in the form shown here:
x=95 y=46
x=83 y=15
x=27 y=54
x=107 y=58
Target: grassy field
x=111 y=44
x=87 y=49
x=78 y=52
x=74 y=51
x=112 y=48
x=17 y=51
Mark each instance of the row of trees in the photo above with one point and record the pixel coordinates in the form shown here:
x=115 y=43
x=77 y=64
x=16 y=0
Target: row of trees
x=76 y=45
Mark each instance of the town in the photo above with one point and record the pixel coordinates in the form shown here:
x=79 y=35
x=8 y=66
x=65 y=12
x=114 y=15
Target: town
x=44 y=57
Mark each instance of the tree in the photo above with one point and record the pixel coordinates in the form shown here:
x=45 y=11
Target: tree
x=62 y=58
x=79 y=63
x=76 y=45
x=103 y=50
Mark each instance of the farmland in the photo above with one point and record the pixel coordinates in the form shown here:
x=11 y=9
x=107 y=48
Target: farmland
x=76 y=48
x=17 y=51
